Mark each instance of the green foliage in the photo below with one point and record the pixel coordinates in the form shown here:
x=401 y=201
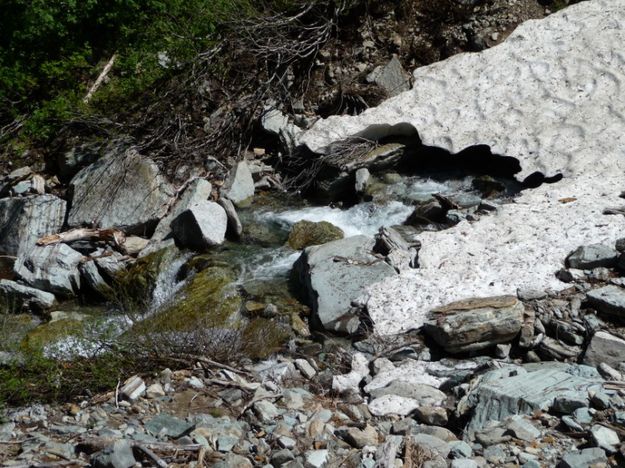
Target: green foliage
x=52 y=50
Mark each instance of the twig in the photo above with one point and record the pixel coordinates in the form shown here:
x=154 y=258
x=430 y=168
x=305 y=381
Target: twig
x=117 y=394
x=152 y=456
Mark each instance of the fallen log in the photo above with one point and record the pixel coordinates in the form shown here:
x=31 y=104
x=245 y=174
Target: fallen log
x=111 y=235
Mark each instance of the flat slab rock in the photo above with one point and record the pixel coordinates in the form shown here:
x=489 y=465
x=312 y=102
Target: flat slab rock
x=476 y=324
x=547 y=96
x=521 y=390
x=605 y=348
x=122 y=190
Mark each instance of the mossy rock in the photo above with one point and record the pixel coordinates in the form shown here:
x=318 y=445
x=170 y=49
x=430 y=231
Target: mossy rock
x=263 y=337
x=133 y=288
x=14 y=328
x=49 y=333
x=209 y=300
x=307 y=233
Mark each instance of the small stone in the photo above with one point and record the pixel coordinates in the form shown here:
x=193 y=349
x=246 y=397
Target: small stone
x=572 y=424
x=600 y=400
x=316 y=458
x=169 y=426
x=522 y=429
x=362 y=179
x=459 y=449
x=195 y=382
x=582 y=416
x=502 y=351
x=464 y=463
x=119 y=455
x=281 y=457
x=134 y=387
x=286 y=442
x=305 y=368
x=584 y=459
x=592 y=256
x=239 y=187
x=604 y=437
x=360 y=438
x=155 y=391
x=432 y=415
x=569 y=403
x=266 y=411
x=201 y=226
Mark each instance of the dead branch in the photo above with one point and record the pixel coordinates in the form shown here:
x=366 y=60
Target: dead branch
x=100 y=79
x=111 y=235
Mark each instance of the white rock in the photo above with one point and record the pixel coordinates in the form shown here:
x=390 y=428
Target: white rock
x=549 y=96
x=393 y=404
x=305 y=368
x=134 y=387
x=155 y=391
x=349 y=382
x=316 y=458
x=201 y=226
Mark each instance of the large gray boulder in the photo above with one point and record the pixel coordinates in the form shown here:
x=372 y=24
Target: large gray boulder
x=24 y=220
x=605 y=348
x=337 y=273
x=522 y=390
x=198 y=191
x=608 y=300
x=592 y=256
x=122 y=190
x=201 y=226
x=476 y=324
x=239 y=186
x=52 y=268
x=18 y=297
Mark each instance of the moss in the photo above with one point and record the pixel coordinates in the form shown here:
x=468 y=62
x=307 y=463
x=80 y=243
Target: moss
x=51 y=332
x=263 y=337
x=208 y=300
x=306 y=233
x=133 y=288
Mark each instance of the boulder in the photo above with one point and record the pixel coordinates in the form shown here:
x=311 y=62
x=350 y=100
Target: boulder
x=522 y=390
x=24 y=220
x=276 y=123
x=605 y=348
x=391 y=77
x=93 y=279
x=235 y=228
x=306 y=233
x=592 y=256
x=609 y=300
x=122 y=190
x=198 y=191
x=476 y=324
x=53 y=268
x=239 y=186
x=201 y=226
x=18 y=297
x=335 y=274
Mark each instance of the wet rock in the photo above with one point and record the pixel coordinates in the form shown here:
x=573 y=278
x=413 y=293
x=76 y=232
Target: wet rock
x=605 y=348
x=18 y=297
x=307 y=233
x=198 y=191
x=608 y=300
x=522 y=390
x=168 y=426
x=52 y=268
x=235 y=228
x=118 y=455
x=337 y=273
x=121 y=190
x=391 y=77
x=25 y=220
x=592 y=256
x=239 y=186
x=201 y=226
x=476 y=324
x=584 y=458
x=362 y=176
x=93 y=279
